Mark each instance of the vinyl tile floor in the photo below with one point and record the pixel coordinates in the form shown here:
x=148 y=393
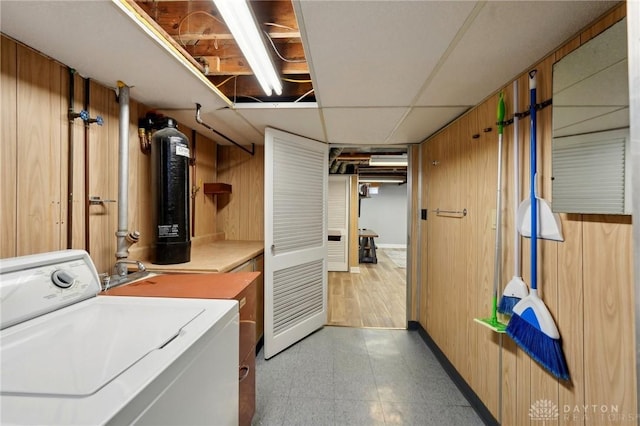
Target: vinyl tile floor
x=355 y=376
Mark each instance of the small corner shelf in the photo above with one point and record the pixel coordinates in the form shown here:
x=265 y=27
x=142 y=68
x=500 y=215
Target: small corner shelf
x=217 y=188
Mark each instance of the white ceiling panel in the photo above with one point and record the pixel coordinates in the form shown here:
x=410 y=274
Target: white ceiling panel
x=376 y=53
x=103 y=43
x=505 y=37
x=422 y=122
x=361 y=126
x=304 y=121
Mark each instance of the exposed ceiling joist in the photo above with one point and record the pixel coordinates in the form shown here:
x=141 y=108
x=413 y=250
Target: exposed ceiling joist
x=276 y=35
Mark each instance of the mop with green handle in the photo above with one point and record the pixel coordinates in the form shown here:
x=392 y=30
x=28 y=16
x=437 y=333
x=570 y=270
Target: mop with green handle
x=492 y=322
x=516 y=289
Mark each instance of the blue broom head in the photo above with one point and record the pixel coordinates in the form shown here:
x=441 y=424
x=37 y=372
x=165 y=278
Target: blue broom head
x=533 y=329
x=515 y=291
x=507 y=304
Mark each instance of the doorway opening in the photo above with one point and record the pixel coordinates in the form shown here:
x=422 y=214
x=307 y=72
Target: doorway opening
x=370 y=291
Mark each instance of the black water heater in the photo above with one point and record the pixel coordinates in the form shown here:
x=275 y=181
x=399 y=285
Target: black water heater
x=170 y=193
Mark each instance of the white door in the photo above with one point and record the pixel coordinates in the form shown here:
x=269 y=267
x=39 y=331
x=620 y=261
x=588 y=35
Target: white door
x=338 y=223
x=295 y=276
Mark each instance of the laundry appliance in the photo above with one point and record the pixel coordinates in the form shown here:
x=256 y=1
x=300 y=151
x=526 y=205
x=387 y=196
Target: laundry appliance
x=69 y=357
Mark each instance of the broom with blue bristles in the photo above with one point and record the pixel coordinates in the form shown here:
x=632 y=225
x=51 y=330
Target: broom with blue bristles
x=531 y=325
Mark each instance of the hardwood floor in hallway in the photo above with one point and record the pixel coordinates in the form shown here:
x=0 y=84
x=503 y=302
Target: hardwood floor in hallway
x=376 y=297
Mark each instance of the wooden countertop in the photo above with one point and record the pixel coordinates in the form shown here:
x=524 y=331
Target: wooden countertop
x=202 y=286
x=217 y=256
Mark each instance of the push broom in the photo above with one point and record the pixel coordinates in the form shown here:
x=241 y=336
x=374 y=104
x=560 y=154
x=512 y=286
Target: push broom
x=531 y=325
x=516 y=289
x=492 y=322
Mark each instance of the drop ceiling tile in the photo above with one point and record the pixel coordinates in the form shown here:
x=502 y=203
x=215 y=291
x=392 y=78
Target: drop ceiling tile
x=420 y=123
x=376 y=53
x=361 y=126
x=504 y=39
x=303 y=121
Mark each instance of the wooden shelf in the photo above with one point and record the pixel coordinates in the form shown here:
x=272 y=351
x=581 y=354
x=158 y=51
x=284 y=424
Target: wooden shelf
x=217 y=188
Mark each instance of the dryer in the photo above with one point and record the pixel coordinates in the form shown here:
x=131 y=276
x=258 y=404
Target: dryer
x=68 y=357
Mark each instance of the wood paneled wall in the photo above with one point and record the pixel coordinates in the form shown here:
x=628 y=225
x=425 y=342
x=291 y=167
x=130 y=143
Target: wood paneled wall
x=241 y=213
x=586 y=281
x=35 y=152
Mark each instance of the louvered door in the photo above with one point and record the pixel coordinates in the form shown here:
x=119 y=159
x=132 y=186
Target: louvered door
x=295 y=239
x=338 y=228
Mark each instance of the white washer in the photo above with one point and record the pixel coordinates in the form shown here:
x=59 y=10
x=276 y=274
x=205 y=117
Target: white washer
x=68 y=357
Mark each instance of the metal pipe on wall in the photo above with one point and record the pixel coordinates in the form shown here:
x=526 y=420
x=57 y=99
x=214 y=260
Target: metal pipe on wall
x=87 y=99
x=122 y=249
x=71 y=117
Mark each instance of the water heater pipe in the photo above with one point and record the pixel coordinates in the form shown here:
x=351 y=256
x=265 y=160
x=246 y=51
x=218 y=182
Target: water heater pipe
x=124 y=239
x=71 y=117
x=87 y=158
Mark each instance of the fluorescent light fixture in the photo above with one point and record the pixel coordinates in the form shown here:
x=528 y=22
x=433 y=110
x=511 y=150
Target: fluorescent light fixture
x=381 y=179
x=389 y=160
x=241 y=23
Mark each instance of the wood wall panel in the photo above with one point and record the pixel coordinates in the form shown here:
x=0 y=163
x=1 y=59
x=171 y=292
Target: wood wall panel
x=354 y=205
x=571 y=315
x=482 y=179
x=241 y=213
x=507 y=356
x=79 y=196
x=103 y=144
x=427 y=156
x=226 y=204
x=8 y=148
x=206 y=152
x=35 y=154
x=586 y=281
x=414 y=241
x=38 y=153
x=608 y=330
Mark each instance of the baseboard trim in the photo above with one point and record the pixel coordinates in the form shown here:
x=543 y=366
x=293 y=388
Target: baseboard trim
x=354 y=270
x=475 y=401
x=391 y=246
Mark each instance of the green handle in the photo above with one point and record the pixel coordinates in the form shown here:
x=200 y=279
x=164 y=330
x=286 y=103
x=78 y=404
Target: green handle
x=501 y=109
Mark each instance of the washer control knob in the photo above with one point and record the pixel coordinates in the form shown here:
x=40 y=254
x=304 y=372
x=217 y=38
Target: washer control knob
x=62 y=278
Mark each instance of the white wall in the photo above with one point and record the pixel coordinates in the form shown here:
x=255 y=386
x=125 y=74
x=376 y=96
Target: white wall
x=386 y=214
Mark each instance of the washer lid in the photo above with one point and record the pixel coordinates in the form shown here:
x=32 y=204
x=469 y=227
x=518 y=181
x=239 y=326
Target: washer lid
x=77 y=350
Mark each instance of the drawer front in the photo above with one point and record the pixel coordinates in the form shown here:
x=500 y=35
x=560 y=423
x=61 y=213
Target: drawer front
x=247 y=376
x=247 y=303
x=247 y=339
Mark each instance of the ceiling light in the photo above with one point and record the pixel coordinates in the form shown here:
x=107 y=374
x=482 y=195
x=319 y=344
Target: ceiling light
x=241 y=23
x=389 y=160
x=381 y=179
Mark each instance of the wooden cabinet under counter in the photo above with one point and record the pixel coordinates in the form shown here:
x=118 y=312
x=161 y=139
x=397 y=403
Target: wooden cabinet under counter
x=240 y=286
x=256 y=265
